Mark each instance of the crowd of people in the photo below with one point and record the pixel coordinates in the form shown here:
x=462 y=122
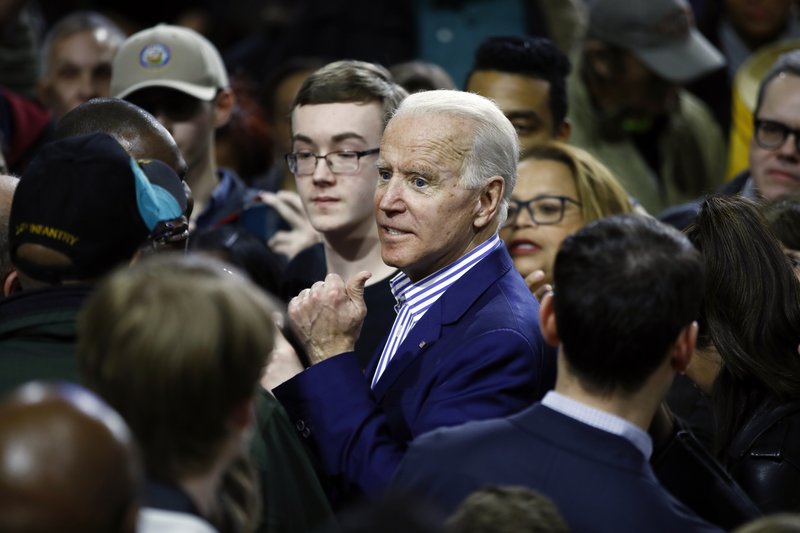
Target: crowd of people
x=258 y=285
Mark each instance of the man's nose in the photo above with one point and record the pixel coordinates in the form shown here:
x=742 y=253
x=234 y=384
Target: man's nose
x=322 y=172
x=389 y=195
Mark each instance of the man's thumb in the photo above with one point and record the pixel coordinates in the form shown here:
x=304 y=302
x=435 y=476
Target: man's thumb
x=355 y=286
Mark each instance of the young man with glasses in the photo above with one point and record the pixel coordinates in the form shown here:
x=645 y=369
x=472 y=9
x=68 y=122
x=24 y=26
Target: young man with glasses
x=178 y=76
x=774 y=153
x=338 y=119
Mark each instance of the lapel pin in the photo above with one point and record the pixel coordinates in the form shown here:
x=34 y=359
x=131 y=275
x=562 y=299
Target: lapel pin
x=422 y=344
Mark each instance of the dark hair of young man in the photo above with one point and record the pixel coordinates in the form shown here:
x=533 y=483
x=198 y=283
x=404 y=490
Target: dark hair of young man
x=625 y=286
x=535 y=57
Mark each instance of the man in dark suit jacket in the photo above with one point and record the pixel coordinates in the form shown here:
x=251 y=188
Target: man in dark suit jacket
x=465 y=344
x=621 y=341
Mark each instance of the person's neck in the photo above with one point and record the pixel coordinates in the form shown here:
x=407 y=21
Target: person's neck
x=203 y=488
x=347 y=253
x=637 y=407
x=202 y=180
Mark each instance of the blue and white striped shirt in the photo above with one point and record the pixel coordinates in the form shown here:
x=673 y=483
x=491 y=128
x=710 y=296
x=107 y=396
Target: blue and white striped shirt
x=414 y=299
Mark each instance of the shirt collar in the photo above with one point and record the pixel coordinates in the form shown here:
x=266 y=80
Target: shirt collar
x=404 y=290
x=600 y=419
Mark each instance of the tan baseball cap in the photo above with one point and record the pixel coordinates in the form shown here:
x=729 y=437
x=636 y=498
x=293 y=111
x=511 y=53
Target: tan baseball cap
x=661 y=33
x=168 y=56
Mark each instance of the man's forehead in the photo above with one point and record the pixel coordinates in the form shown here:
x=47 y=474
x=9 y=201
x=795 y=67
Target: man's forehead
x=337 y=121
x=440 y=138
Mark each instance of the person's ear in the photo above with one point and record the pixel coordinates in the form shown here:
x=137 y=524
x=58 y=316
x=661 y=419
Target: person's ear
x=547 y=320
x=11 y=283
x=489 y=201
x=223 y=107
x=683 y=348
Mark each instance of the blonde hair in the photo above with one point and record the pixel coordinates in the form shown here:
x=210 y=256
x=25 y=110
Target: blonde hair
x=175 y=344
x=599 y=192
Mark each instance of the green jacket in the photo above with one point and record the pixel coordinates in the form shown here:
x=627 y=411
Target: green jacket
x=38 y=335
x=293 y=498
x=691 y=150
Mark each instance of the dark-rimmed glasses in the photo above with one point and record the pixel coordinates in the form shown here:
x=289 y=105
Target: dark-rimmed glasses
x=339 y=162
x=770 y=134
x=544 y=210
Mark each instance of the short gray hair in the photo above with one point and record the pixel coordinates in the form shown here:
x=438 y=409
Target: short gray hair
x=77 y=22
x=495 y=147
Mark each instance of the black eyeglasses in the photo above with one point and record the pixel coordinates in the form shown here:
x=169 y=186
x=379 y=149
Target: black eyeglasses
x=339 y=162
x=771 y=135
x=544 y=210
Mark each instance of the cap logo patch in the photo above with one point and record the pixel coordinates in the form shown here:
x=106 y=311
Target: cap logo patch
x=47 y=231
x=676 y=24
x=154 y=55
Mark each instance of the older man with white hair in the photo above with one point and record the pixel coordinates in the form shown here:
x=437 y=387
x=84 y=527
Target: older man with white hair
x=465 y=344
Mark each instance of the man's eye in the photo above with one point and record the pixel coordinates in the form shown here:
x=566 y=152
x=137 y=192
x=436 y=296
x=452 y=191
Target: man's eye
x=419 y=183
x=302 y=156
x=346 y=156
x=384 y=175
x=525 y=128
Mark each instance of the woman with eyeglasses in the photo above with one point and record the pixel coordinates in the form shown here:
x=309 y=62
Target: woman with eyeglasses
x=559 y=189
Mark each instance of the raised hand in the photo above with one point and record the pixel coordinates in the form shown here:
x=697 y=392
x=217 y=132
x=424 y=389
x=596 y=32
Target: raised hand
x=328 y=317
x=301 y=235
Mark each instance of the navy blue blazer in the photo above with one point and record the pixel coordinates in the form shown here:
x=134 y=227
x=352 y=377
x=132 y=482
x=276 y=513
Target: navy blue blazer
x=476 y=354
x=599 y=481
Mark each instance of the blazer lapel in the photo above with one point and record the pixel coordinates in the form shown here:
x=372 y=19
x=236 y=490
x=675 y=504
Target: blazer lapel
x=450 y=307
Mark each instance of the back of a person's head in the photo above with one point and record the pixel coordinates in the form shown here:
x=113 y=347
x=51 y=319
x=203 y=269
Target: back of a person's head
x=67 y=463
x=783 y=218
x=419 y=75
x=139 y=132
x=84 y=206
x=176 y=344
x=533 y=57
x=350 y=81
x=773 y=523
x=506 y=509
x=625 y=286
x=393 y=513
x=751 y=308
x=599 y=192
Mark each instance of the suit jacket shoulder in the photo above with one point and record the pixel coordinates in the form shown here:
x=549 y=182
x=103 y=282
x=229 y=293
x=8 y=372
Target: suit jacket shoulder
x=599 y=481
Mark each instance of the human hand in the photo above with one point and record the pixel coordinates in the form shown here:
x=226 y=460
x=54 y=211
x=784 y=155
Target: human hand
x=290 y=208
x=536 y=284
x=282 y=364
x=328 y=317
